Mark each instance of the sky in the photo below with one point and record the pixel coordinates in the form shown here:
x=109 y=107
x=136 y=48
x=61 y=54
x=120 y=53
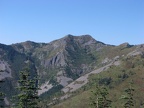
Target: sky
x=110 y=21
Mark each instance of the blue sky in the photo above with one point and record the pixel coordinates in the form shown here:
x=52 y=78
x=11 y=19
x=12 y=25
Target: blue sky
x=109 y=21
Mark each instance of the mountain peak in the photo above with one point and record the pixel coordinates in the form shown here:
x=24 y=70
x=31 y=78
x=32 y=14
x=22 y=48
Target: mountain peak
x=82 y=39
x=81 y=36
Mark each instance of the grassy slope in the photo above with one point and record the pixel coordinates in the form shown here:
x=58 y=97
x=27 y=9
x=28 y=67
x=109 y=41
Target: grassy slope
x=131 y=69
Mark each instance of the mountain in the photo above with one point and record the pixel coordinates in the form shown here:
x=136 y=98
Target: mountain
x=63 y=66
x=71 y=54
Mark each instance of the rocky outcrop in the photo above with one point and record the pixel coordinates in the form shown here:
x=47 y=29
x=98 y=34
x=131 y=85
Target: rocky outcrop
x=5 y=70
x=56 y=60
x=63 y=80
x=138 y=51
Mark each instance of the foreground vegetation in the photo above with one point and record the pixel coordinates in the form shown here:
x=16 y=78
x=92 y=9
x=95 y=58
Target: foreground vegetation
x=28 y=91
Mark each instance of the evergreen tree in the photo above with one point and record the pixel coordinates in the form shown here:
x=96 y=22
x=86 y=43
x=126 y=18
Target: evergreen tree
x=28 y=96
x=128 y=97
x=99 y=98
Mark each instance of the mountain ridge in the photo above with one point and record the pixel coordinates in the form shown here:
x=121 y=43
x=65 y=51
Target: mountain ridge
x=60 y=62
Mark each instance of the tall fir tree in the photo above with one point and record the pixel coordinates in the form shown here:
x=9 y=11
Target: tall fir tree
x=128 y=97
x=99 y=97
x=28 y=96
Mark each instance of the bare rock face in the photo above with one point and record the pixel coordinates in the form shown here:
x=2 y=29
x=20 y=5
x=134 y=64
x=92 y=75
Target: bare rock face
x=63 y=80
x=5 y=70
x=138 y=51
x=56 y=60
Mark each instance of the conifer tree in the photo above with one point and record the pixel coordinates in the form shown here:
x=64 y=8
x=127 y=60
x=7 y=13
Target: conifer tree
x=128 y=97
x=28 y=96
x=99 y=98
